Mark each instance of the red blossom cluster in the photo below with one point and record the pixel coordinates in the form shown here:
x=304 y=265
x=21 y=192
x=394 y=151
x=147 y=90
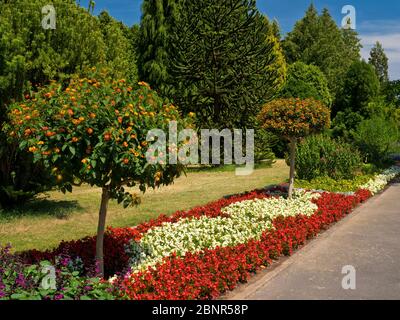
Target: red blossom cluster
x=208 y=274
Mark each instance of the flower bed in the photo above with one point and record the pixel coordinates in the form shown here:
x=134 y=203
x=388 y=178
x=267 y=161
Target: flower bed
x=211 y=272
x=116 y=239
x=203 y=252
x=243 y=221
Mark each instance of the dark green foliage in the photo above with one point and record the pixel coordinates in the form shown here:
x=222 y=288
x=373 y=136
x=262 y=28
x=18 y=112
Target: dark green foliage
x=20 y=179
x=379 y=61
x=319 y=156
x=377 y=138
x=225 y=62
x=306 y=81
x=264 y=141
x=344 y=123
x=357 y=100
x=361 y=86
x=317 y=40
x=158 y=16
x=392 y=92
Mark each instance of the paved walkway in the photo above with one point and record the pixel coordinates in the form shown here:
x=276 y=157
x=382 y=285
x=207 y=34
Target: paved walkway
x=368 y=239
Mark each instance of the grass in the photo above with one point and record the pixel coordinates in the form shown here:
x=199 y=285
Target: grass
x=44 y=223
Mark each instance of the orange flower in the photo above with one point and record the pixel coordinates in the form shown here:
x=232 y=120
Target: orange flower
x=144 y=84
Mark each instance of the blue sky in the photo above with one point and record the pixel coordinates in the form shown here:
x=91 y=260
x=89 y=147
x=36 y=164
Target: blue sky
x=376 y=20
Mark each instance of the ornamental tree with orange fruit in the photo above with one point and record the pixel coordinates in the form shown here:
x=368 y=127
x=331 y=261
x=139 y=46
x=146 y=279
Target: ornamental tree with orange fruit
x=94 y=131
x=294 y=119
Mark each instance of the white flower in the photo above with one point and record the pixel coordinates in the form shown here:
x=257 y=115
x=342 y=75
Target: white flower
x=380 y=181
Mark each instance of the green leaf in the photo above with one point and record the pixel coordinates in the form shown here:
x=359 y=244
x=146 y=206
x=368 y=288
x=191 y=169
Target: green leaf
x=72 y=150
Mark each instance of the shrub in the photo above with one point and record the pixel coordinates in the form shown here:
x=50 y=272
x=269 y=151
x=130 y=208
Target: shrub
x=306 y=81
x=376 y=138
x=319 y=156
x=334 y=185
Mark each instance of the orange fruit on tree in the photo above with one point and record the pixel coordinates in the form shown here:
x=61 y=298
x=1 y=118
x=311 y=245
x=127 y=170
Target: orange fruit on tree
x=89 y=131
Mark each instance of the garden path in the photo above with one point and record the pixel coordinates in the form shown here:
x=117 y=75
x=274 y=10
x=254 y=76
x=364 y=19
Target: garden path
x=368 y=240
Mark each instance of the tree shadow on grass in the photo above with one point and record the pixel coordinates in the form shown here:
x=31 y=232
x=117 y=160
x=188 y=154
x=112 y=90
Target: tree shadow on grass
x=42 y=207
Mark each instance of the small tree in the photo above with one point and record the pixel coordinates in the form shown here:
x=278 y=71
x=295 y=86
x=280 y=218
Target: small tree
x=94 y=131
x=294 y=119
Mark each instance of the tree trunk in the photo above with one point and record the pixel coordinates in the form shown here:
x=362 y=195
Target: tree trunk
x=292 y=166
x=105 y=197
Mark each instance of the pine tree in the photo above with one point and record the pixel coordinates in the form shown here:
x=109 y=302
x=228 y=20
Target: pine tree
x=379 y=61
x=225 y=62
x=153 y=42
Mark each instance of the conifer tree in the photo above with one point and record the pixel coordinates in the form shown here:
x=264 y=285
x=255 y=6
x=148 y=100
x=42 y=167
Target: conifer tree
x=379 y=61
x=316 y=39
x=153 y=42
x=225 y=62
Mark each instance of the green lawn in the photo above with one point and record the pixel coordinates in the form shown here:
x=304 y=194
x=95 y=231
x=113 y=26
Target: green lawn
x=44 y=223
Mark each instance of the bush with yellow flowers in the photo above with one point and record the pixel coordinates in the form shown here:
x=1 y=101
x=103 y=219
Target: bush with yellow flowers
x=94 y=131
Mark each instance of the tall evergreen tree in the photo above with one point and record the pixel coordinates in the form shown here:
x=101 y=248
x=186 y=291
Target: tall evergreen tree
x=225 y=62
x=120 y=51
x=316 y=39
x=379 y=61
x=153 y=42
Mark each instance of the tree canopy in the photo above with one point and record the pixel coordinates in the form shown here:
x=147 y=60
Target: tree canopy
x=316 y=39
x=306 y=81
x=225 y=61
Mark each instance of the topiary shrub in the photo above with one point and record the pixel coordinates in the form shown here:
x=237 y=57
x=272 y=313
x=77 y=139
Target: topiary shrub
x=294 y=119
x=322 y=156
